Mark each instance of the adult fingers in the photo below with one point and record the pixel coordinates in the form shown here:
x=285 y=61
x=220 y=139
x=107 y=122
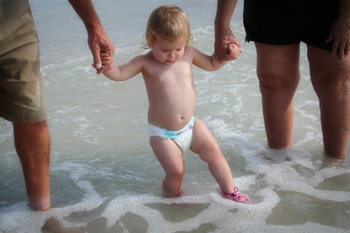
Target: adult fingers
x=95 y=50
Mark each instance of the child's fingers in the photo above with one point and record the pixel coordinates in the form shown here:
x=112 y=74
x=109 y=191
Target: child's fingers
x=105 y=62
x=233 y=51
x=105 y=57
x=231 y=48
x=104 y=54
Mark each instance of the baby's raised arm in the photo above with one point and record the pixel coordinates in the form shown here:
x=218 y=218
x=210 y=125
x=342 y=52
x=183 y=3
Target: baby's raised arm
x=123 y=72
x=211 y=63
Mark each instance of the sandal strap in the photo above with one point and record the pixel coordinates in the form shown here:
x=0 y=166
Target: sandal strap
x=238 y=197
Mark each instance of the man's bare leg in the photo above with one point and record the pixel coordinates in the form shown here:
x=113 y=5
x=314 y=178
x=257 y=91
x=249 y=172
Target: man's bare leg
x=331 y=80
x=32 y=143
x=278 y=73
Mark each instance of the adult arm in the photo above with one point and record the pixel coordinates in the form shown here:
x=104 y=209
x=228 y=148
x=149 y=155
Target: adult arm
x=223 y=33
x=97 y=38
x=340 y=32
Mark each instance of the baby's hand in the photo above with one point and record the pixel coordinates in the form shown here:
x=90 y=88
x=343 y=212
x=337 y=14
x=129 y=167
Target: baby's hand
x=234 y=49
x=105 y=59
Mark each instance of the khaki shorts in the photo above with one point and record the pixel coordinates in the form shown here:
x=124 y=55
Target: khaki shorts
x=21 y=96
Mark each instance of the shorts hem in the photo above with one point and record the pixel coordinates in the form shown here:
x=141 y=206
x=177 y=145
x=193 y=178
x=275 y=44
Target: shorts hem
x=23 y=118
x=271 y=41
x=325 y=46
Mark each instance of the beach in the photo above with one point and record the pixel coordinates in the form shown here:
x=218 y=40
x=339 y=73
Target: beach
x=104 y=176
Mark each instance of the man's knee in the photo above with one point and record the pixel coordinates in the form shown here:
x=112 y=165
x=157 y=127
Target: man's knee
x=31 y=132
x=32 y=140
x=274 y=84
x=278 y=67
x=333 y=84
x=330 y=75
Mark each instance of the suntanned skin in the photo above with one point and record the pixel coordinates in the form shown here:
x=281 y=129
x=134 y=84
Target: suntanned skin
x=167 y=72
x=32 y=140
x=278 y=74
x=97 y=38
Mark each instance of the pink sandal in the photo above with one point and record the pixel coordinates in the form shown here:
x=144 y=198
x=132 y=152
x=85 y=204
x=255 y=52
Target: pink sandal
x=237 y=197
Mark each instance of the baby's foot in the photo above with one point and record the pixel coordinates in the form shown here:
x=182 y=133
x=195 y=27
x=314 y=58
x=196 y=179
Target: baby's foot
x=236 y=196
x=173 y=194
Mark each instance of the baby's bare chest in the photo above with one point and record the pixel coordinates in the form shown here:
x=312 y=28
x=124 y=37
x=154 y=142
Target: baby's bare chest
x=176 y=76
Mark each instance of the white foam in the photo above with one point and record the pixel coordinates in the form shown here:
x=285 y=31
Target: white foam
x=76 y=172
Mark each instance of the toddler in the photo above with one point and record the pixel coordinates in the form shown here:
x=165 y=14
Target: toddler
x=167 y=72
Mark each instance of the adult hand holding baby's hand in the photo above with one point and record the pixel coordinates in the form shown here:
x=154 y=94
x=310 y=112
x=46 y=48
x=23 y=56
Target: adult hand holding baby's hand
x=106 y=60
x=226 y=46
x=233 y=50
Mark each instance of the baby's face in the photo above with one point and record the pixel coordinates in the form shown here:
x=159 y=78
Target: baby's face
x=168 y=52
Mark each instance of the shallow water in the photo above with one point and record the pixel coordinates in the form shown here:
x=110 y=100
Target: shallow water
x=104 y=175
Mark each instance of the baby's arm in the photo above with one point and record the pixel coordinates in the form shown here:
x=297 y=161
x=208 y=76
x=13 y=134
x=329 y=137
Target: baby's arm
x=123 y=72
x=212 y=63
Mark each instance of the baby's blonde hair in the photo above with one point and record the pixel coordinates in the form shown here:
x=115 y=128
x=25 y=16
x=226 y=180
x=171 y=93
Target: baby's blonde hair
x=169 y=23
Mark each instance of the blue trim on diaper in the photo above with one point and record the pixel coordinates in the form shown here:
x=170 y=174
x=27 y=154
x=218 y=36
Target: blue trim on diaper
x=174 y=133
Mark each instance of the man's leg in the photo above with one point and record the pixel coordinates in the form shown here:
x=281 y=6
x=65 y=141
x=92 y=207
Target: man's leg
x=278 y=73
x=32 y=143
x=331 y=80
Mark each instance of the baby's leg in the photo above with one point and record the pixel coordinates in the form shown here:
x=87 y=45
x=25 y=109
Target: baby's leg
x=209 y=151
x=169 y=156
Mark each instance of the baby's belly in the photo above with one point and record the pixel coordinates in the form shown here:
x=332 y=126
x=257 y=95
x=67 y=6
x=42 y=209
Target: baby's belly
x=170 y=118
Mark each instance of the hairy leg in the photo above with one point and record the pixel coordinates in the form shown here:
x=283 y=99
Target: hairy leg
x=278 y=74
x=204 y=144
x=331 y=80
x=169 y=156
x=32 y=143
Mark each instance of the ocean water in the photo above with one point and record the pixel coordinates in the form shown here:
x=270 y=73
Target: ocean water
x=104 y=176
